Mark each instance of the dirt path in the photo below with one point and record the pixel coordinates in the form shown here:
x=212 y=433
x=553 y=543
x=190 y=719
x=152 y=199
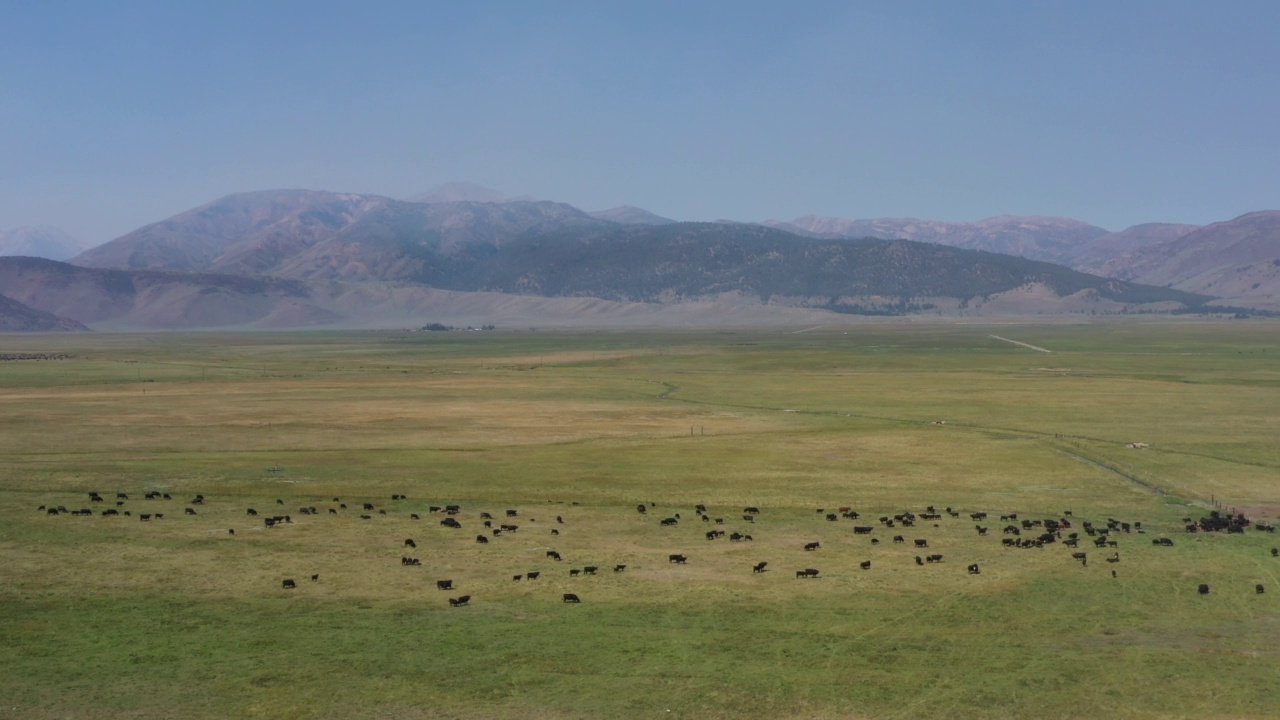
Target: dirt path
x=1037 y=348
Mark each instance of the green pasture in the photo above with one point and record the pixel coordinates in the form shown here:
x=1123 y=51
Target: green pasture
x=111 y=617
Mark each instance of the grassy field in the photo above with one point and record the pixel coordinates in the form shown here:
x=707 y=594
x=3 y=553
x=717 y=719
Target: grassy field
x=111 y=617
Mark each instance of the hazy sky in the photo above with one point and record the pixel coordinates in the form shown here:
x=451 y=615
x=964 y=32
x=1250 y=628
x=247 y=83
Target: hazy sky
x=114 y=115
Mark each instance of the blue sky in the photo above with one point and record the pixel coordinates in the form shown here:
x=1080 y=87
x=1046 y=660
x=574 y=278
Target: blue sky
x=114 y=115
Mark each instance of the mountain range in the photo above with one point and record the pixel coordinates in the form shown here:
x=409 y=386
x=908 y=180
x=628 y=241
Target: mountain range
x=290 y=258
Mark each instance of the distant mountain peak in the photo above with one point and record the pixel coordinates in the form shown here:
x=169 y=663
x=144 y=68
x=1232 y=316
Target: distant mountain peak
x=465 y=192
x=631 y=215
x=42 y=241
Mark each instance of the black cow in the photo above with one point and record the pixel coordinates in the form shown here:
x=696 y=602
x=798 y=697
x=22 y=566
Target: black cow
x=899 y=539
x=919 y=560
x=511 y=513
x=250 y=511
x=408 y=542
x=571 y=598
x=758 y=567
x=862 y=530
x=981 y=530
x=832 y=517
x=459 y=601
x=865 y=564
x=1203 y=589
x=559 y=519
x=231 y=531
x=315 y=577
x=412 y=516
x=1165 y=542
x=482 y=539
x=532 y=575
x=675 y=558
x=1082 y=557
x=553 y=555
x=190 y=511
x=973 y=569
x=619 y=568
x=574 y=572
x=669 y=521
x=922 y=543
x=451 y=523
x=516 y=577
x=812 y=546
x=751 y=510
x=289 y=584
x=368 y=506
x=1275 y=552
x=640 y=508
x=807 y=573
x=444 y=584
x=589 y=570
x=1259 y=588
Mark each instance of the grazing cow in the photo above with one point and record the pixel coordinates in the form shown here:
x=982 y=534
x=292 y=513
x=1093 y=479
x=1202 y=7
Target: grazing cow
x=640 y=508
x=412 y=516
x=482 y=539
x=1165 y=542
x=444 y=584
x=899 y=539
x=559 y=519
x=571 y=598
x=335 y=512
x=251 y=511
x=1259 y=588
x=751 y=510
x=978 y=516
x=712 y=534
x=511 y=513
x=516 y=577
x=619 y=568
x=807 y=573
x=669 y=521
x=433 y=508
x=555 y=531
x=812 y=546
x=759 y=567
x=675 y=558
x=749 y=518
x=1115 y=558
x=368 y=506
x=533 y=575
x=933 y=558
x=1203 y=589
x=574 y=572
x=1275 y=552
x=190 y=511
x=832 y=517
x=315 y=577
x=289 y=584
x=553 y=555
x=1082 y=557
x=973 y=569
x=865 y=564
x=459 y=601
x=451 y=523
x=862 y=530
x=981 y=530
x=144 y=517
x=366 y=517
x=231 y=531
x=589 y=570
x=408 y=542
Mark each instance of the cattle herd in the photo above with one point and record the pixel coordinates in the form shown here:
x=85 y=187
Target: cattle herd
x=1017 y=533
